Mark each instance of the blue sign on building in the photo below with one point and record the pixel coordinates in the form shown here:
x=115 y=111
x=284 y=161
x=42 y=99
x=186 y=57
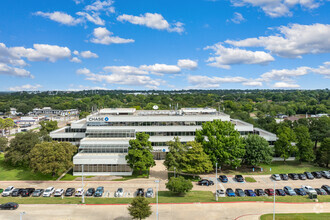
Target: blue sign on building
x=106 y=119
x=163 y=150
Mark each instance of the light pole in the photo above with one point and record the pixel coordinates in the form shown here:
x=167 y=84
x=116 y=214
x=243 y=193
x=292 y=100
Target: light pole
x=21 y=215
x=274 y=201
x=82 y=183
x=157 y=181
x=216 y=181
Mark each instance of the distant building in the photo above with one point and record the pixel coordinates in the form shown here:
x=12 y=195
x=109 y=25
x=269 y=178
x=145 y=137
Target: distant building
x=103 y=137
x=13 y=111
x=50 y=111
x=319 y=115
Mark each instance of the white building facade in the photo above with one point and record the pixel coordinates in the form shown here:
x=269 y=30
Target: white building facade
x=103 y=137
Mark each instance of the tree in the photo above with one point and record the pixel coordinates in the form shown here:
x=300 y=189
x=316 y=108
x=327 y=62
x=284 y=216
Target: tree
x=323 y=153
x=139 y=208
x=17 y=154
x=8 y=124
x=179 y=185
x=52 y=157
x=221 y=142
x=283 y=146
x=304 y=144
x=83 y=115
x=257 y=150
x=139 y=155
x=3 y=143
x=174 y=156
x=319 y=129
x=195 y=160
x=48 y=126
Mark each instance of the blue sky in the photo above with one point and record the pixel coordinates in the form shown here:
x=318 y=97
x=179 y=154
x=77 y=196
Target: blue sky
x=164 y=44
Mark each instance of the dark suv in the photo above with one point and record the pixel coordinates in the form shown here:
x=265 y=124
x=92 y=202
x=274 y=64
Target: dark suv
x=90 y=192
x=293 y=176
x=284 y=176
x=309 y=175
x=317 y=174
x=140 y=192
x=16 y=192
x=259 y=192
x=205 y=182
x=239 y=178
x=27 y=192
x=69 y=191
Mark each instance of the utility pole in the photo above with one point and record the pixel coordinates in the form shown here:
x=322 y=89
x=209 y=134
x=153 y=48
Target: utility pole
x=274 y=201
x=82 y=184
x=216 y=181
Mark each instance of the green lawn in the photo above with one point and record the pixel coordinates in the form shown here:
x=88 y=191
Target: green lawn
x=164 y=197
x=296 y=216
x=20 y=173
x=250 y=180
x=277 y=167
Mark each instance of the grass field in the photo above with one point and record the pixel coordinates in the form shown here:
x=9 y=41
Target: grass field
x=164 y=197
x=296 y=216
x=250 y=180
x=276 y=167
x=23 y=173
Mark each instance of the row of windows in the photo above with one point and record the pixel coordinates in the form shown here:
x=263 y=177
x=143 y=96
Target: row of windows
x=77 y=130
x=175 y=134
x=104 y=150
x=160 y=144
x=112 y=135
x=67 y=139
x=101 y=168
x=150 y=123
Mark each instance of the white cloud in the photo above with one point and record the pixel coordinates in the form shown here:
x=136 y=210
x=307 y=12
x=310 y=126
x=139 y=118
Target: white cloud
x=224 y=57
x=285 y=74
x=252 y=83
x=26 y=87
x=42 y=52
x=293 y=41
x=75 y=60
x=187 y=64
x=154 y=21
x=78 y=1
x=13 y=71
x=323 y=70
x=94 y=17
x=88 y=54
x=285 y=85
x=238 y=18
x=60 y=17
x=277 y=8
x=161 y=68
x=99 y=5
x=103 y=36
x=7 y=57
x=199 y=81
x=125 y=70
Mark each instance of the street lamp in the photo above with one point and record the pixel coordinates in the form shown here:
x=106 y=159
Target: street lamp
x=82 y=183
x=216 y=181
x=274 y=201
x=21 y=215
x=157 y=181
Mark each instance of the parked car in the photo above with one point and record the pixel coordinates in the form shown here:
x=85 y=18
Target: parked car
x=223 y=178
x=302 y=176
x=309 y=175
x=8 y=191
x=300 y=191
x=269 y=192
x=220 y=193
x=240 y=193
x=69 y=191
x=239 y=178
x=48 y=192
x=321 y=191
x=280 y=192
x=79 y=192
x=140 y=192
x=284 y=176
x=9 y=206
x=37 y=192
x=150 y=193
x=119 y=192
x=325 y=174
x=249 y=192
x=326 y=188
x=58 y=192
x=289 y=191
x=317 y=174
x=90 y=192
x=308 y=189
x=276 y=177
x=230 y=192
x=27 y=192
x=99 y=191
x=16 y=192
x=259 y=192
x=1 y=190
x=205 y=182
x=293 y=176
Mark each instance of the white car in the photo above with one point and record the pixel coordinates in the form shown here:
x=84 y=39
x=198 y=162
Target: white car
x=119 y=192
x=48 y=192
x=150 y=193
x=79 y=192
x=276 y=177
x=58 y=192
x=309 y=189
x=8 y=191
x=221 y=193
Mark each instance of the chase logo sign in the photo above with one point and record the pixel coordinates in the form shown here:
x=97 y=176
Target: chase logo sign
x=97 y=119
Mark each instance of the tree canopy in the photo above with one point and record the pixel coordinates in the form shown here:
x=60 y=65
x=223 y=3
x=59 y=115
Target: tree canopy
x=304 y=144
x=3 y=143
x=48 y=126
x=139 y=208
x=139 y=155
x=174 y=156
x=323 y=153
x=222 y=143
x=257 y=150
x=179 y=185
x=283 y=146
